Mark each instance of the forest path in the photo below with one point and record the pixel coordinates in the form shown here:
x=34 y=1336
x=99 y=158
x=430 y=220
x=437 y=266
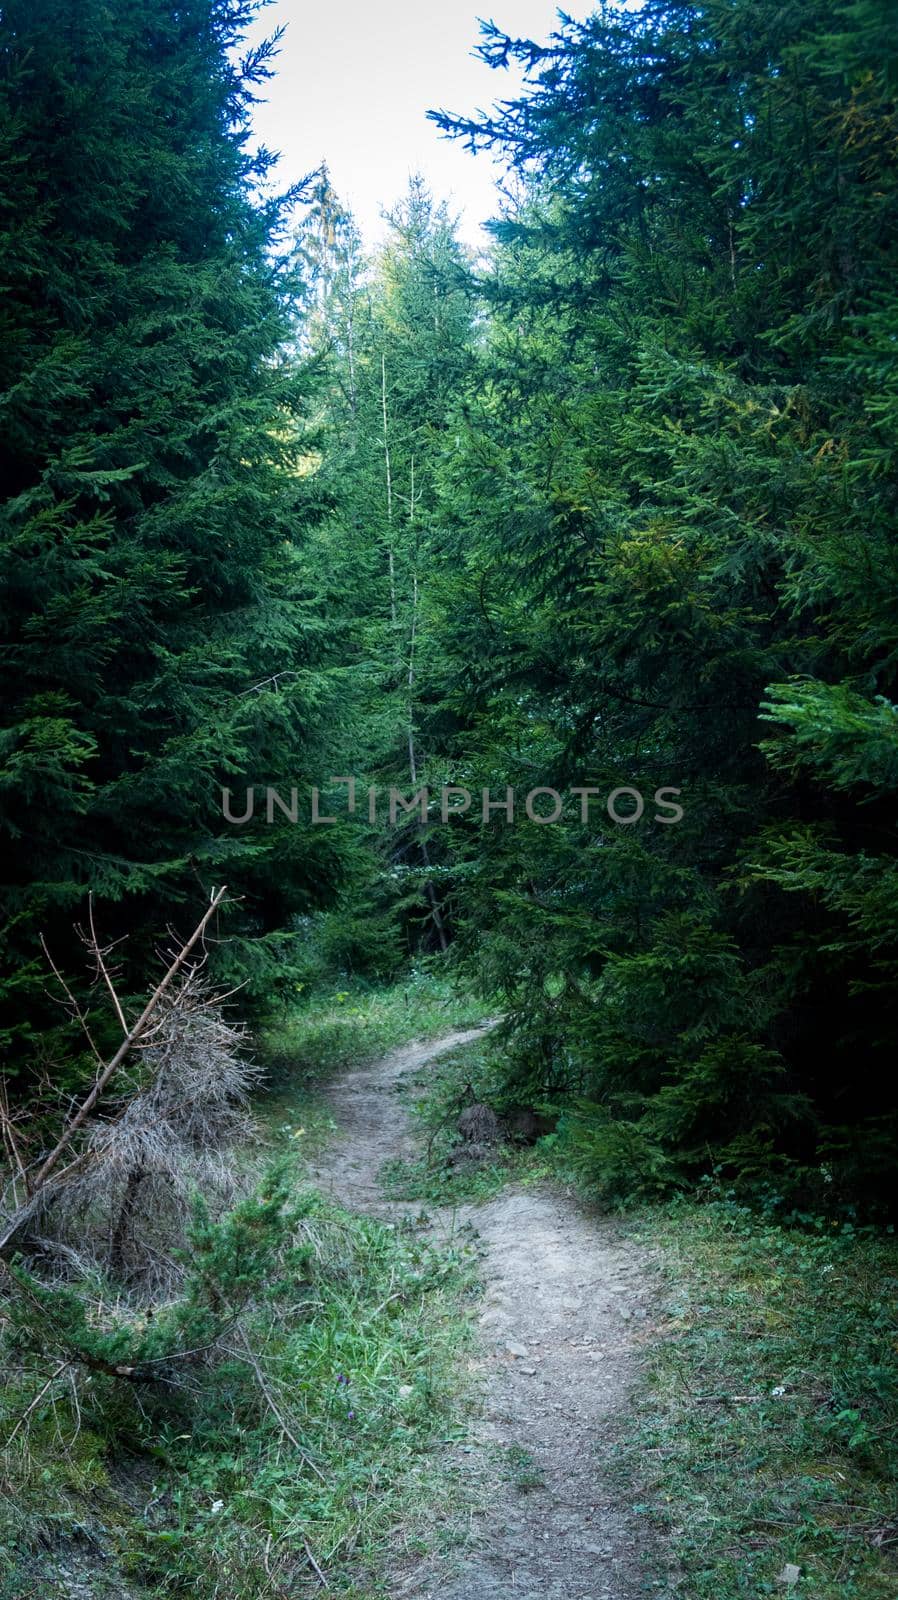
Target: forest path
x=560 y=1327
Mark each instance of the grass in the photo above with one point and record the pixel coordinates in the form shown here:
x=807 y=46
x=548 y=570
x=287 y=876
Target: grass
x=343 y=1028
x=520 y=1469
x=437 y=1097
x=368 y=1381
x=205 y=1493
x=330 y=1030
x=767 y=1433
x=764 y=1439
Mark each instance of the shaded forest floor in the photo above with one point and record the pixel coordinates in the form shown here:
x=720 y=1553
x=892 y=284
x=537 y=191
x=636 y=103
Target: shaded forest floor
x=692 y=1397
x=507 y=1393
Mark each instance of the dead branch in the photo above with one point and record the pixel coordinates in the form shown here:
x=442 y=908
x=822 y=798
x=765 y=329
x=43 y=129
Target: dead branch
x=127 y=1194
x=10 y=1139
x=36 y=1402
x=99 y=955
x=273 y=1407
x=74 y=1007
x=314 y=1565
x=132 y=1037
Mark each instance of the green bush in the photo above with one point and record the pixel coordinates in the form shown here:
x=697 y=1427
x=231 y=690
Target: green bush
x=283 y=1405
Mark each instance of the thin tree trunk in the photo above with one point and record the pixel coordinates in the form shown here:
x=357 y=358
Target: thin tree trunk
x=413 y=768
x=350 y=355
x=122 y=1231
x=389 y=480
x=436 y=914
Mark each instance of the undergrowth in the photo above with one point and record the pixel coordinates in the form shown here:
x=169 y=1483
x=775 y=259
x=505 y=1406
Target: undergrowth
x=437 y=1096
x=328 y=1030
x=764 y=1438
x=317 y=1432
x=768 y=1431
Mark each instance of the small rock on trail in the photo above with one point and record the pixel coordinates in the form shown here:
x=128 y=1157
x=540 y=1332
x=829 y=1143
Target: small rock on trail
x=560 y=1334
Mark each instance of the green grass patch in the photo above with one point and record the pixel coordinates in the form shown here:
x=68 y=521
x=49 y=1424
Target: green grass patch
x=436 y=1098
x=520 y=1469
x=330 y=1030
x=324 y=1449
x=317 y=1451
x=768 y=1430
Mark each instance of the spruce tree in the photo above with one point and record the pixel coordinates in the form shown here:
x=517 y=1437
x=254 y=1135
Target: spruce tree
x=159 y=641
x=394 y=340
x=672 y=534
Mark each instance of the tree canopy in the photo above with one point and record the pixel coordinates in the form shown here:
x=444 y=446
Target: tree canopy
x=613 y=509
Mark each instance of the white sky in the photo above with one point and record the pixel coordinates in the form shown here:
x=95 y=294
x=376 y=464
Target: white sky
x=355 y=80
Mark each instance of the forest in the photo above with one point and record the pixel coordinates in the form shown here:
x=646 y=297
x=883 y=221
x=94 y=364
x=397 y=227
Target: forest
x=399 y=639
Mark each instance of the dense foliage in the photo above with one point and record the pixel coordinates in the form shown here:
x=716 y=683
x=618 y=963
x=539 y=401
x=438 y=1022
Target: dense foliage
x=611 y=508
x=614 y=509
x=292 y=1444
x=668 y=558
x=159 y=639
x=392 y=339
x=633 y=527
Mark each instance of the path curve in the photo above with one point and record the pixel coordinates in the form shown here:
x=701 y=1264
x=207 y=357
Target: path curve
x=562 y=1321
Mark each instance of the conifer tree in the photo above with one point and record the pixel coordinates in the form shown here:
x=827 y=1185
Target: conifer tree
x=159 y=640
x=394 y=337
x=672 y=532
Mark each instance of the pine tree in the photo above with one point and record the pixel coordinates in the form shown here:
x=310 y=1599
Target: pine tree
x=394 y=338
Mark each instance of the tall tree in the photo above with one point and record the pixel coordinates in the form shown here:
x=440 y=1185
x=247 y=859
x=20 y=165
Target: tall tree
x=395 y=342
x=158 y=635
x=672 y=529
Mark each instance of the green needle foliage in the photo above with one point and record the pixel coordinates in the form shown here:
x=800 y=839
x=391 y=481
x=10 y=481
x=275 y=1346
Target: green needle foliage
x=616 y=509
x=668 y=558
x=158 y=635
x=286 y=1408
x=392 y=338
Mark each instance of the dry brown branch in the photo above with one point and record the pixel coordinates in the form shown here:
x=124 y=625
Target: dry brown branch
x=11 y=1141
x=99 y=955
x=140 y=1033
x=314 y=1565
x=273 y=1407
x=122 y=1205
x=74 y=1007
x=35 y=1402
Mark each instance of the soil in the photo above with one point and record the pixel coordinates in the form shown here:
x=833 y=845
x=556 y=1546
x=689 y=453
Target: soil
x=565 y=1312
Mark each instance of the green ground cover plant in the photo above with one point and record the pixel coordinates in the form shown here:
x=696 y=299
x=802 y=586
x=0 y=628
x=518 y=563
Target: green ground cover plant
x=471 y=1072
x=315 y=1430
x=767 y=1431
x=341 y=1024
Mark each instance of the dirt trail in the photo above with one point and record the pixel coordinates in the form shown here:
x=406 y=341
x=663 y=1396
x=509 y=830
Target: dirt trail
x=561 y=1324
